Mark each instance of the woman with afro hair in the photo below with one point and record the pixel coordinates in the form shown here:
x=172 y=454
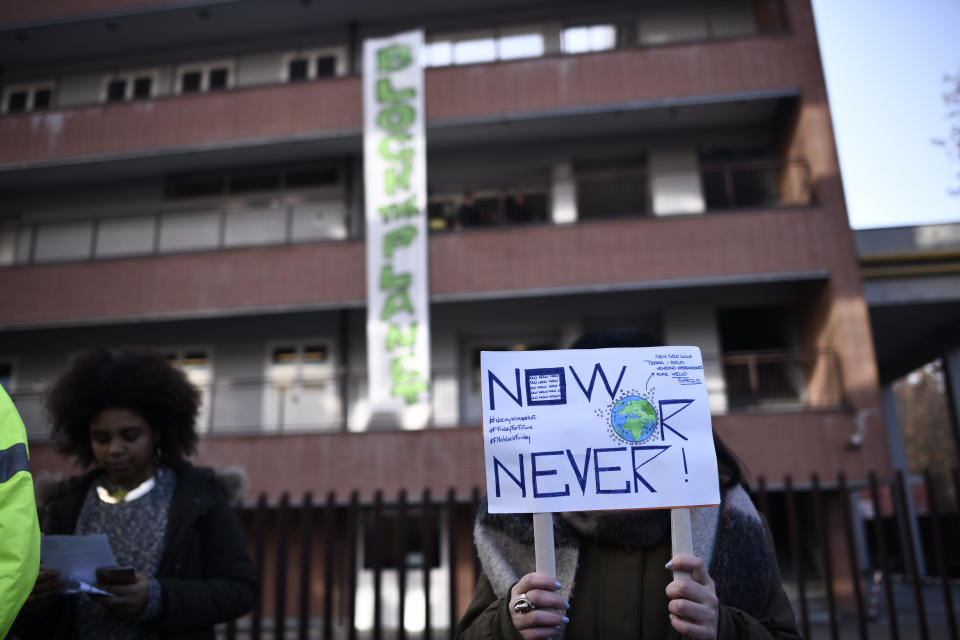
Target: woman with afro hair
x=130 y=414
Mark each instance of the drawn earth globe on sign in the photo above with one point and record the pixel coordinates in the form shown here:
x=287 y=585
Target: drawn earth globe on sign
x=633 y=418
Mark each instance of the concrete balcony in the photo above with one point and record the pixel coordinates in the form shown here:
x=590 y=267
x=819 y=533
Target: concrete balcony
x=622 y=254
x=572 y=86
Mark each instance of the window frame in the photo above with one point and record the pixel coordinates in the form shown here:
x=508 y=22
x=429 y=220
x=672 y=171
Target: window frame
x=561 y=34
x=31 y=89
x=298 y=367
x=338 y=53
x=205 y=68
x=129 y=78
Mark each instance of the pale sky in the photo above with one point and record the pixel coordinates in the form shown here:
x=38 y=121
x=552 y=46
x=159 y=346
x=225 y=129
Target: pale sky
x=884 y=62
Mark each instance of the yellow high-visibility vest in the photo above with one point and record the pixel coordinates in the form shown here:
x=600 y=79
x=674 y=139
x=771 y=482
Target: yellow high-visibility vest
x=19 y=529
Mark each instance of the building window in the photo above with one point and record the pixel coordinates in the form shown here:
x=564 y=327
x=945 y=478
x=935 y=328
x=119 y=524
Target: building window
x=201 y=78
x=326 y=66
x=218 y=78
x=190 y=82
x=298 y=69
x=196 y=364
x=142 y=87
x=302 y=390
x=484 y=46
x=129 y=86
x=116 y=90
x=520 y=45
x=311 y=65
x=587 y=38
x=301 y=356
x=24 y=98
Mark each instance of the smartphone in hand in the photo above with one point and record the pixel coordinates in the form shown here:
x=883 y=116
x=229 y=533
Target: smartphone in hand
x=116 y=575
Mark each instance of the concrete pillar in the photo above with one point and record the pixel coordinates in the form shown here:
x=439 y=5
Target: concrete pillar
x=675 y=183
x=696 y=325
x=898 y=461
x=563 y=194
x=446 y=381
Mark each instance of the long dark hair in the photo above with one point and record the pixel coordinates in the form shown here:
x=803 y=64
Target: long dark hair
x=732 y=472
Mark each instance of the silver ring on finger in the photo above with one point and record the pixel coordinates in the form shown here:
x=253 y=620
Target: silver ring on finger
x=523 y=604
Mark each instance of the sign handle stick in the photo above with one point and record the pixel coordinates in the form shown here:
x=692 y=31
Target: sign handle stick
x=682 y=538
x=543 y=544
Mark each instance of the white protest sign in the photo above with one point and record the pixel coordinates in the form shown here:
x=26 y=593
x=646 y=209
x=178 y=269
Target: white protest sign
x=589 y=429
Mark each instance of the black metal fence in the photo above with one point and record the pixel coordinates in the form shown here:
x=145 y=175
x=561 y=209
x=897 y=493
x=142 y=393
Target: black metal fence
x=848 y=552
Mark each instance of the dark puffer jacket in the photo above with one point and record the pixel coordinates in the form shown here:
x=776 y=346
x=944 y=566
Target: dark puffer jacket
x=205 y=570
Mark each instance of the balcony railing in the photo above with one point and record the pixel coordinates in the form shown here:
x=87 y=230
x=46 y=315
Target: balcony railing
x=163 y=233
x=597 y=196
x=337 y=400
x=627 y=193
x=785 y=380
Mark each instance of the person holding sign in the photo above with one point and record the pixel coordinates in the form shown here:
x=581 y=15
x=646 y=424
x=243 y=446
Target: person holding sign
x=184 y=561
x=613 y=567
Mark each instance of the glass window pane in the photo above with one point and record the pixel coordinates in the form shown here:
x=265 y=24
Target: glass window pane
x=297 y=70
x=439 y=54
x=142 y=87
x=133 y=236
x=319 y=221
x=576 y=40
x=116 y=90
x=195 y=359
x=219 y=78
x=315 y=353
x=326 y=67
x=527 y=45
x=190 y=82
x=17 y=102
x=189 y=232
x=474 y=51
x=256 y=227
x=666 y=27
x=732 y=21
x=603 y=37
x=284 y=355
x=41 y=99
x=598 y=37
x=63 y=242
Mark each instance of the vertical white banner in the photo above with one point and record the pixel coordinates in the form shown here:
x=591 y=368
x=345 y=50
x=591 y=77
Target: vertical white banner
x=395 y=179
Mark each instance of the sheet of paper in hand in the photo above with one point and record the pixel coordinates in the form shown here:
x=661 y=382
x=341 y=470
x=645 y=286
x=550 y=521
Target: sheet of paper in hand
x=588 y=429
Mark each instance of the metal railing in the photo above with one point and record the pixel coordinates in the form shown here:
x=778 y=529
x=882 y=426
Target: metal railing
x=336 y=399
x=767 y=380
x=175 y=231
x=377 y=560
x=626 y=193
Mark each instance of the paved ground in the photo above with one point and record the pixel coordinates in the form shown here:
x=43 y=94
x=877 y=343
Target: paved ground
x=879 y=626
